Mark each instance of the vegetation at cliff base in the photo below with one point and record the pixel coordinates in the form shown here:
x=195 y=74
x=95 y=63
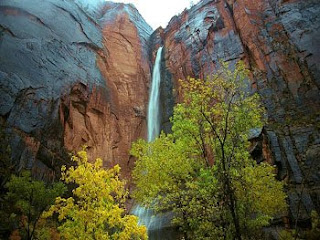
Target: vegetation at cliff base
x=27 y=199
x=6 y=166
x=202 y=171
x=95 y=210
x=33 y=209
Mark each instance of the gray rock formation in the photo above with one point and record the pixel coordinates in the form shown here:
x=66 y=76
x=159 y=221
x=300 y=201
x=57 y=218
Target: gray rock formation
x=279 y=41
x=59 y=88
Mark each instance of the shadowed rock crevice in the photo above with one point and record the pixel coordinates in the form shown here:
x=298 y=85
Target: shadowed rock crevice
x=8 y=10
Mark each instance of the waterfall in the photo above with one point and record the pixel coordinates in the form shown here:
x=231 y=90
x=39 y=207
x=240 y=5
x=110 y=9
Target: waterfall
x=154 y=100
x=154 y=223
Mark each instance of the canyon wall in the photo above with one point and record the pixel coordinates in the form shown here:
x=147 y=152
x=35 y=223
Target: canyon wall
x=72 y=74
x=279 y=42
x=70 y=77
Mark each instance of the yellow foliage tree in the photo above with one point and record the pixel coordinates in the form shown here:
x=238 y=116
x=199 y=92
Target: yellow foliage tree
x=94 y=211
x=203 y=172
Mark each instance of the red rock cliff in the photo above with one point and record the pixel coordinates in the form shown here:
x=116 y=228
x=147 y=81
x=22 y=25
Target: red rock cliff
x=70 y=77
x=109 y=128
x=279 y=41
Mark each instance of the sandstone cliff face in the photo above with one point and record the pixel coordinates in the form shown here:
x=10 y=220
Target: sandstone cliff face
x=109 y=129
x=279 y=40
x=69 y=78
x=73 y=75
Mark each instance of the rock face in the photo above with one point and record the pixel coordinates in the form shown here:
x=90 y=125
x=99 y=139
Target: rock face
x=70 y=77
x=279 y=41
x=74 y=74
x=109 y=130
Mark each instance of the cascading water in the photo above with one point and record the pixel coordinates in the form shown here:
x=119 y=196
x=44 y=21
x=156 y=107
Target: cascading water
x=153 y=107
x=154 y=223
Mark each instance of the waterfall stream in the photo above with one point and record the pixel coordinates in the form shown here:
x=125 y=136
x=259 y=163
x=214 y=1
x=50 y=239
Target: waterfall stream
x=154 y=223
x=154 y=100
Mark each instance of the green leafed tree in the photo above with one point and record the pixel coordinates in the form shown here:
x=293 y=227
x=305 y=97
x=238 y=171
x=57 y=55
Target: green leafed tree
x=203 y=172
x=29 y=199
x=94 y=211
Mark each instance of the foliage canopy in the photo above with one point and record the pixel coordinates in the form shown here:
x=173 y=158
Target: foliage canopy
x=30 y=198
x=203 y=171
x=94 y=211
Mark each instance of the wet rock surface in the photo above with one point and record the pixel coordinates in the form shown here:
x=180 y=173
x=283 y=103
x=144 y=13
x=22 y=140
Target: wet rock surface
x=70 y=76
x=279 y=41
x=42 y=57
